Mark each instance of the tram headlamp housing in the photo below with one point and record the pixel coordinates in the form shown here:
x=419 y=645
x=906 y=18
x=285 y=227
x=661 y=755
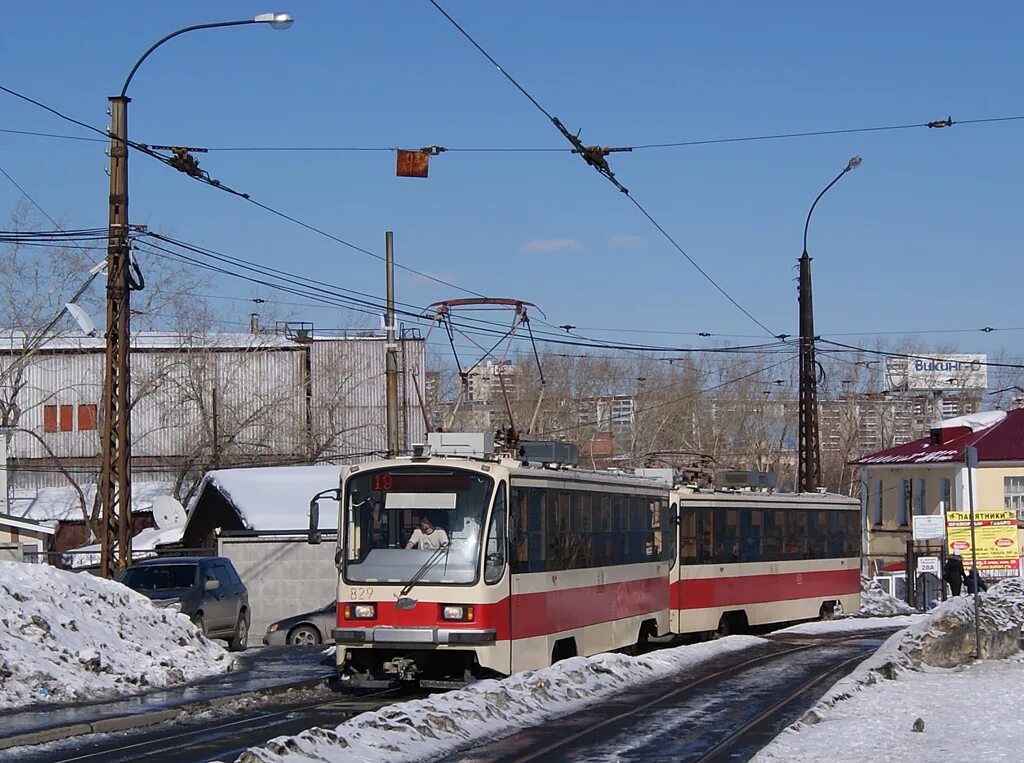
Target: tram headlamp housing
x=360 y=611
x=463 y=613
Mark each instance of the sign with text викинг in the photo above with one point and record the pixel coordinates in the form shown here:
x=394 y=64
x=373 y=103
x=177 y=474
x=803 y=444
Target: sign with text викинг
x=995 y=533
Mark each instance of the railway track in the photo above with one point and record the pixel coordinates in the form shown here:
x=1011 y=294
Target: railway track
x=201 y=738
x=726 y=711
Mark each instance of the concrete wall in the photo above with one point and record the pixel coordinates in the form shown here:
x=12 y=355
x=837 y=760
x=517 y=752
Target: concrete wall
x=284 y=576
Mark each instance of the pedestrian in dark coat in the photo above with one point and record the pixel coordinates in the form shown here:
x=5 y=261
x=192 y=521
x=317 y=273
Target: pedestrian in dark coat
x=953 y=573
x=975 y=581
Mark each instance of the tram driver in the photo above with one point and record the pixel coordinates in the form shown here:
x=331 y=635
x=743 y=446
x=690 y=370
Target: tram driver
x=427 y=537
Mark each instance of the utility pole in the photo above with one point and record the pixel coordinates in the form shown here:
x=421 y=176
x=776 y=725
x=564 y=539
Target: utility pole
x=391 y=367
x=809 y=467
x=809 y=456
x=115 y=469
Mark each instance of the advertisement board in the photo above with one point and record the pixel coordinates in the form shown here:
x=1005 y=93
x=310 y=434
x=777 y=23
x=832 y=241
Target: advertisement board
x=995 y=533
x=940 y=372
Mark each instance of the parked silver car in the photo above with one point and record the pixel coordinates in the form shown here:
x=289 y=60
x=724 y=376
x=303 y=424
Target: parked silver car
x=308 y=628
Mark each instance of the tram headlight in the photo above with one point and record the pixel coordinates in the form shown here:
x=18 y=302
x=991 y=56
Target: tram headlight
x=460 y=612
x=360 y=611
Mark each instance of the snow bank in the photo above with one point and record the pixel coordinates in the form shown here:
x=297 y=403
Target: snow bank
x=67 y=637
x=875 y=602
x=443 y=723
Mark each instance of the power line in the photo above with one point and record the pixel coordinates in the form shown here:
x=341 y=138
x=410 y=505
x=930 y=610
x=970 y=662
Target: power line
x=595 y=156
x=203 y=178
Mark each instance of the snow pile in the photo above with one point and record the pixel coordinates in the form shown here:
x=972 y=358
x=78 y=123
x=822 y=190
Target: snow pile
x=946 y=638
x=443 y=723
x=67 y=637
x=875 y=602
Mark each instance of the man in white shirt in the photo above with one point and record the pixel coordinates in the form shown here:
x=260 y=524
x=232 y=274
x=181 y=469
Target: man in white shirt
x=427 y=537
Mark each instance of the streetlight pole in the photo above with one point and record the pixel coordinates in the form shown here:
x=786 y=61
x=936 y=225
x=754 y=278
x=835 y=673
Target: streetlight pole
x=115 y=467
x=809 y=456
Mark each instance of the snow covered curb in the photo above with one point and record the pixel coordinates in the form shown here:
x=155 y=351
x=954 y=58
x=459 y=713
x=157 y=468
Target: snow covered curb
x=442 y=723
x=71 y=637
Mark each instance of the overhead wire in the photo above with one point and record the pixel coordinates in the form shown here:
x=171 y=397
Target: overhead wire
x=600 y=164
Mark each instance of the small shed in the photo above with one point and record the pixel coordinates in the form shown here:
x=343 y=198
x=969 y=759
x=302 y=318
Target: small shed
x=258 y=519
x=260 y=499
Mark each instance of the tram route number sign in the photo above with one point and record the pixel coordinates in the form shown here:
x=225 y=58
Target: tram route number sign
x=928 y=564
x=928 y=527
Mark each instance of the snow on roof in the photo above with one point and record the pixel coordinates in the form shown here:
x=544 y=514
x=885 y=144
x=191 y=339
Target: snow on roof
x=151 y=340
x=998 y=436
x=973 y=421
x=25 y=524
x=273 y=497
x=51 y=504
x=142 y=545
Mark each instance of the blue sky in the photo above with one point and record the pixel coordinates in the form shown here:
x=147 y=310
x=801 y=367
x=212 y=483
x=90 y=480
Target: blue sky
x=923 y=236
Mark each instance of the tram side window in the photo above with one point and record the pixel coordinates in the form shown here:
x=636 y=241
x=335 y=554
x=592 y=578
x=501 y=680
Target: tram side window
x=727 y=547
x=706 y=536
x=771 y=531
x=750 y=535
x=518 y=524
x=668 y=532
x=687 y=535
x=795 y=537
x=535 y=529
x=852 y=547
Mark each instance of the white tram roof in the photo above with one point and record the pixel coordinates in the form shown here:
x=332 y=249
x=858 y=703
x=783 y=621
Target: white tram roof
x=517 y=470
x=804 y=500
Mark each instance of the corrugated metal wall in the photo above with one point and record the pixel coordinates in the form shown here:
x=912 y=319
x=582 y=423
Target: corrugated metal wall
x=264 y=404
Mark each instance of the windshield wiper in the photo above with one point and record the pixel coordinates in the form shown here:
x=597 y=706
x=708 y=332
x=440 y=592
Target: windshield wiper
x=433 y=559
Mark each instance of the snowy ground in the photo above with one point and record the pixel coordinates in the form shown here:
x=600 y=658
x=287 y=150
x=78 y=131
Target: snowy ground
x=70 y=637
x=866 y=716
x=895 y=706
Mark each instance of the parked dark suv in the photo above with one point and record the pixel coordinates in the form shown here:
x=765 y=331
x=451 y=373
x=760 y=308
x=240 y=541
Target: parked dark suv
x=207 y=589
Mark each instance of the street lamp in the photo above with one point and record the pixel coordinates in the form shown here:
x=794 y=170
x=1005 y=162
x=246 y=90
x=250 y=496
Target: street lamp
x=809 y=456
x=115 y=470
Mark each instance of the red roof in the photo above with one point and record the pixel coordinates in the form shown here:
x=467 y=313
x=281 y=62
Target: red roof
x=1003 y=441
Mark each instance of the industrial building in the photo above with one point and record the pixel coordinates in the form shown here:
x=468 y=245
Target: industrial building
x=202 y=402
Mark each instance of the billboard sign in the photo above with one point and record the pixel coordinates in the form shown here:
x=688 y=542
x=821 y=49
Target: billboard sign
x=939 y=372
x=995 y=533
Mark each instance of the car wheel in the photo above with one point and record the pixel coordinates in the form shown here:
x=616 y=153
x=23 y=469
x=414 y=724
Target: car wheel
x=304 y=635
x=200 y=622
x=241 y=636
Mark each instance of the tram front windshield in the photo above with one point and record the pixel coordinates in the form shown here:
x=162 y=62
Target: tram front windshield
x=387 y=509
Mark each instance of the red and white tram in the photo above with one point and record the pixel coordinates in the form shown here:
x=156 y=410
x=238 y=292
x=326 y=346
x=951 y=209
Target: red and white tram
x=753 y=558
x=546 y=563
x=541 y=564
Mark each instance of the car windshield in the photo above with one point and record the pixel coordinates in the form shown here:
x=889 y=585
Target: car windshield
x=160 y=577
x=398 y=519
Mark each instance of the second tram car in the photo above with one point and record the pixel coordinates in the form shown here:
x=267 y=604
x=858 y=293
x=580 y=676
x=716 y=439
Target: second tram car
x=750 y=558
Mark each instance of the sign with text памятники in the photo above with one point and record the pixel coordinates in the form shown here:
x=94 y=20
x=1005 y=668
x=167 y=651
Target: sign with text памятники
x=995 y=533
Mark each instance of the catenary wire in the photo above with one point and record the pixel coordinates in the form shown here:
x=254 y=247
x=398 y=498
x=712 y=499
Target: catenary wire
x=605 y=171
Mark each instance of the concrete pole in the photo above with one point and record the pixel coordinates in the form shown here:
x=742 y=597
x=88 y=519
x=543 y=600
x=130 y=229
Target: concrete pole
x=391 y=367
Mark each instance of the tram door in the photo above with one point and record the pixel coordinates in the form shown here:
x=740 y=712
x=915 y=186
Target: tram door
x=497 y=556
